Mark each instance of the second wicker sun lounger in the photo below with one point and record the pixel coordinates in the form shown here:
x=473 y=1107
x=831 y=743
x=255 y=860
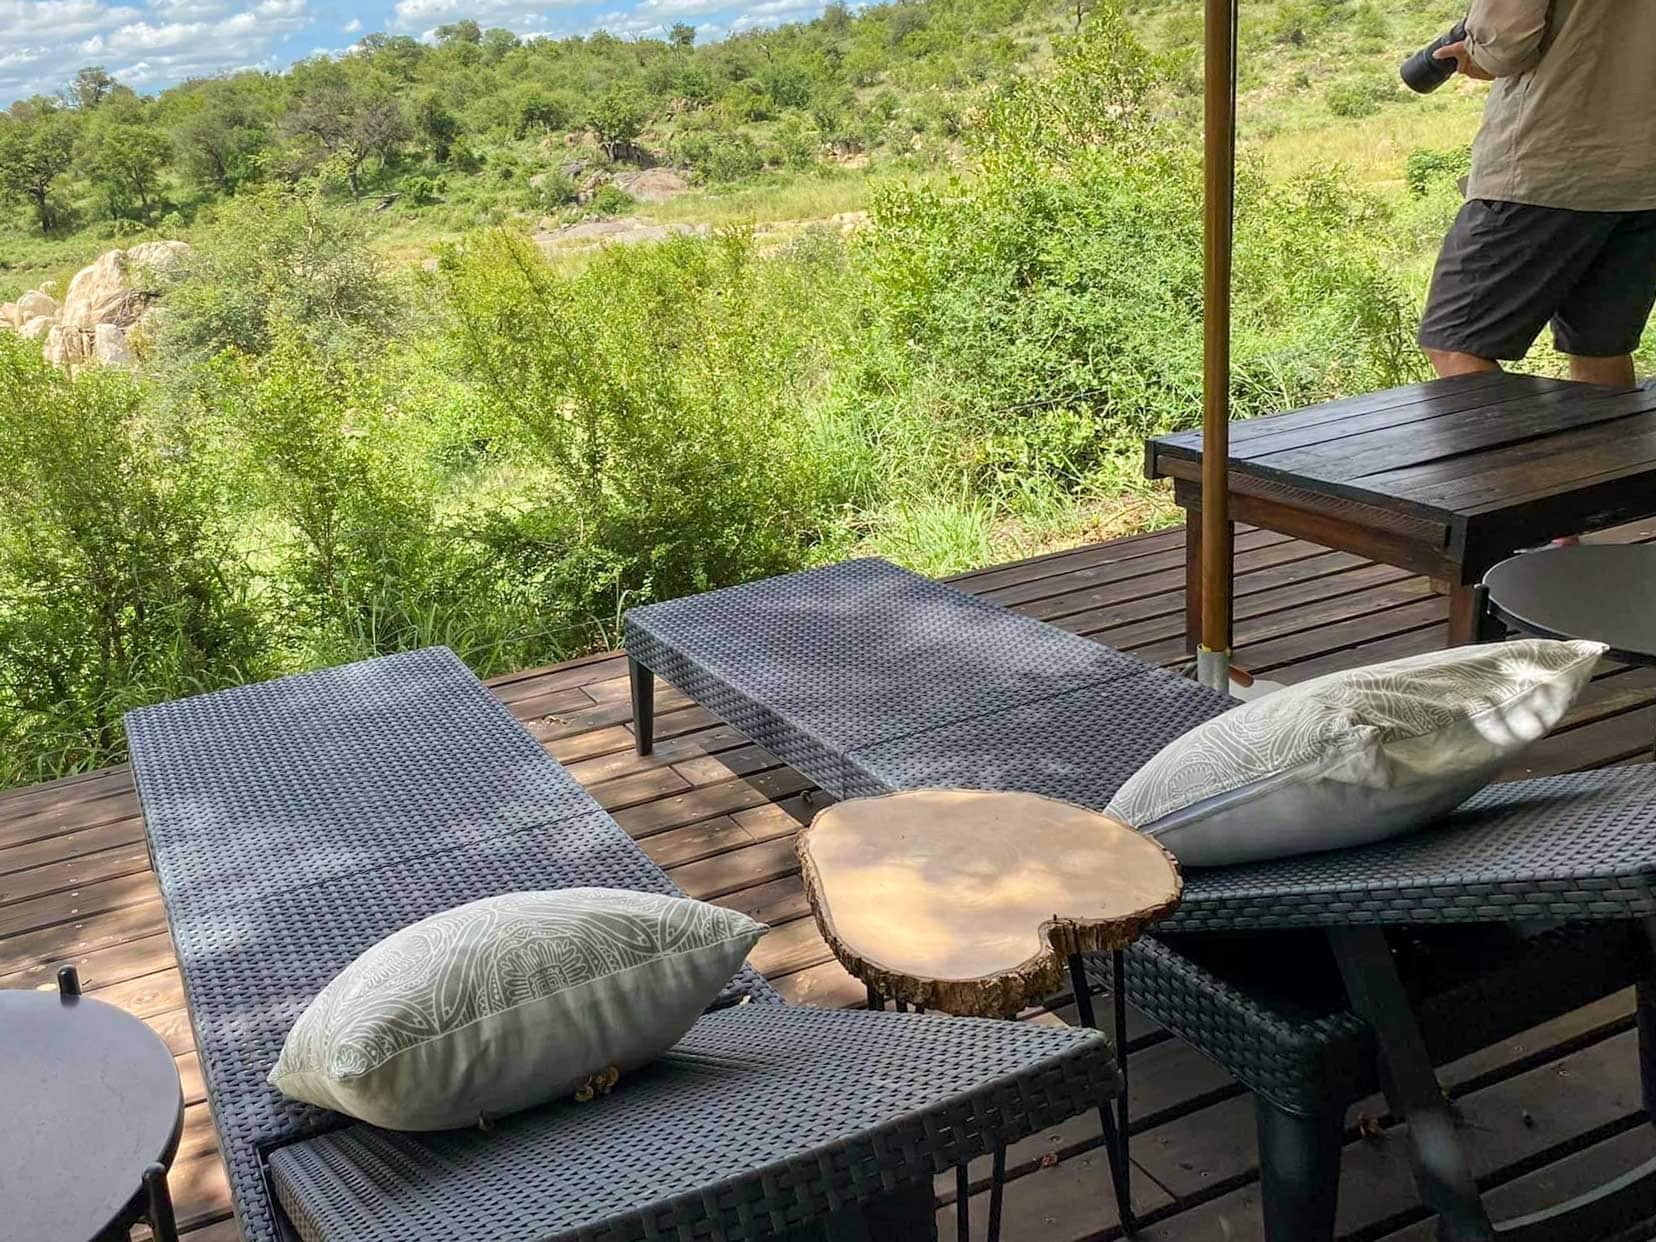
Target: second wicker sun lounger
x=294 y=823
x=870 y=679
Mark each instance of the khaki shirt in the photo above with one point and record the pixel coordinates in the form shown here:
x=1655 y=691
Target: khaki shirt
x=1571 y=118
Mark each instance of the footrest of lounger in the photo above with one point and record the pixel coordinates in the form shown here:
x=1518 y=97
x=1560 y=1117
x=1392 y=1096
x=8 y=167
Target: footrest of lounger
x=763 y=1119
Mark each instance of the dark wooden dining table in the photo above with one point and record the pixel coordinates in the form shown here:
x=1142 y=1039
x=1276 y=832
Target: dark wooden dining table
x=1445 y=478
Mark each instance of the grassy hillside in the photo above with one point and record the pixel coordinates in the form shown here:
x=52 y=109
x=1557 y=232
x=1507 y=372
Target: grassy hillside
x=795 y=124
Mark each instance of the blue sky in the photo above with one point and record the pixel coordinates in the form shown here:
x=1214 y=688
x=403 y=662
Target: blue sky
x=150 y=44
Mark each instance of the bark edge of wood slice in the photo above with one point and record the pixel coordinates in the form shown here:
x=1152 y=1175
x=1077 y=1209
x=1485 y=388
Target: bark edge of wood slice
x=971 y=902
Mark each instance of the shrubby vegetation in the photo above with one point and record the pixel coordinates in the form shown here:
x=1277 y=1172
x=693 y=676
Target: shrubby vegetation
x=332 y=457
x=330 y=451
x=457 y=128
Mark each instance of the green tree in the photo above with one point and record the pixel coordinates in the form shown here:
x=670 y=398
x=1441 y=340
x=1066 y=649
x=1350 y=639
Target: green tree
x=37 y=146
x=347 y=115
x=90 y=86
x=466 y=31
x=126 y=161
x=221 y=129
x=498 y=42
x=617 y=117
x=682 y=36
x=436 y=124
x=279 y=255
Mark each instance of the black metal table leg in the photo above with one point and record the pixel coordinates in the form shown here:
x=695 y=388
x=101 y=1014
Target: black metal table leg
x=642 y=682
x=160 y=1207
x=1412 y=1090
x=963 y=1211
x=1113 y=1119
x=997 y=1190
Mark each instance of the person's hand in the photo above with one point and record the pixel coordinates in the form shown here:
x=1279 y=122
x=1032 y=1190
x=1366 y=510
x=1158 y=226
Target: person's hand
x=1463 y=61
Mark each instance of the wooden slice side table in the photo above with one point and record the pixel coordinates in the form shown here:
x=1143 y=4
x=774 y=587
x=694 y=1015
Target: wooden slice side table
x=983 y=903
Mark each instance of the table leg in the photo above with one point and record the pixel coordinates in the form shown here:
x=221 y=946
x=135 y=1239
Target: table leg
x=1113 y=1120
x=1440 y=1168
x=162 y=1225
x=642 y=681
x=997 y=1188
x=1193 y=579
x=963 y=1197
x=1466 y=608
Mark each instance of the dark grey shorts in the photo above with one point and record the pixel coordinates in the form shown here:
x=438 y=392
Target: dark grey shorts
x=1508 y=268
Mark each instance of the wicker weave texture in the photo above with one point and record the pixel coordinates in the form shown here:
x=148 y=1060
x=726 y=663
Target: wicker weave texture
x=296 y=822
x=868 y=678
x=1578 y=846
x=758 y=1122
x=810 y=656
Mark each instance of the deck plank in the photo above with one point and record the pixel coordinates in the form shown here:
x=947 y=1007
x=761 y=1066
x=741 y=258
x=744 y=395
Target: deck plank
x=720 y=814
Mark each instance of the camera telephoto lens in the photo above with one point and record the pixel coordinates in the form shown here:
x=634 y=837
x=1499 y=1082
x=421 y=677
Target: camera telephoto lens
x=1423 y=73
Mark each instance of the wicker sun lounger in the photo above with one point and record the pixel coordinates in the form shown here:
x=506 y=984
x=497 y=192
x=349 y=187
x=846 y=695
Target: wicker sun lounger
x=869 y=679
x=296 y=822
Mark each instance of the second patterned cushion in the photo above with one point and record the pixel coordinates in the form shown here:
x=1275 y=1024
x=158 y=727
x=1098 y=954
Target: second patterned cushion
x=506 y=1002
x=1353 y=756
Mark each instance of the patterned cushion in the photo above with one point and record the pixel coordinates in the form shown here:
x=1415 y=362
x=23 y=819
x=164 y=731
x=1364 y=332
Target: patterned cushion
x=510 y=1001
x=1354 y=756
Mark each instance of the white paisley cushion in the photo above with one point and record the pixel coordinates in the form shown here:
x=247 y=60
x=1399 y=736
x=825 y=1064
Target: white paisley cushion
x=507 y=1002
x=1355 y=756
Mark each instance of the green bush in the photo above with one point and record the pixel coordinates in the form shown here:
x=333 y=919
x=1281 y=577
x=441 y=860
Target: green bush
x=610 y=199
x=1358 y=97
x=118 y=582
x=273 y=256
x=658 y=394
x=1052 y=305
x=1426 y=167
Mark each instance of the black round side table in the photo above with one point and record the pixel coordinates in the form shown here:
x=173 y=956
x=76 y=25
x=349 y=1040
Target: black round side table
x=1602 y=592
x=94 y=1111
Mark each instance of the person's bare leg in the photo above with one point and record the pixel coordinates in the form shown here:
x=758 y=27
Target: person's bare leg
x=1614 y=372
x=1446 y=362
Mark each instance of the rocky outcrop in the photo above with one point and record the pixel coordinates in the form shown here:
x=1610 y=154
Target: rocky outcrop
x=653 y=185
x=104 y=302
x=34 y=304
x=109 y=346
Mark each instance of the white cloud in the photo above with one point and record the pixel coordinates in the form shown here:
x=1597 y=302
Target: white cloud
x=676 y=9
x=512 y=14
x=352 y=26
x=774 y=13
x=164 y=42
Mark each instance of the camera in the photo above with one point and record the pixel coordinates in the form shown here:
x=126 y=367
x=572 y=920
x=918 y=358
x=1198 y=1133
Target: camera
x=1423 y=72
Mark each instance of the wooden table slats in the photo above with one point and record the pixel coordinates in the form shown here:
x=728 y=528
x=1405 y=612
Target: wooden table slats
x=1444 y=478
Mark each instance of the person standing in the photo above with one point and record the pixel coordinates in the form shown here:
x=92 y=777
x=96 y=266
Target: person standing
x=1559 y=222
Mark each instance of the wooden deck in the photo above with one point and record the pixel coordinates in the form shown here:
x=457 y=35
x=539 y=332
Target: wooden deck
x=1547 y=1115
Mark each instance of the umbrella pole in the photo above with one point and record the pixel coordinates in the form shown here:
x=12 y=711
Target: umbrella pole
x=1219 y=194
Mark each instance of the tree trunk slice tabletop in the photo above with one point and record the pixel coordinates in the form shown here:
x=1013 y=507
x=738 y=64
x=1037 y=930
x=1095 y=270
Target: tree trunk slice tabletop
x=972 y=902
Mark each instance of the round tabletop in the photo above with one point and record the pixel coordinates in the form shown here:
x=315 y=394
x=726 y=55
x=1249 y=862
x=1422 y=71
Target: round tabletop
x=1602 y=592
x=92 y=1098
x=972 y=902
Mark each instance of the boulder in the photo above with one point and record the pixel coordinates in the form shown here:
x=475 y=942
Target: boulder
x=158 y=259
x=64 y=346
x=8 y=315
x=36 y=328
x=32 y=304
x=100 y=294
x=119 y=284
x=109 y=346
x=653 y=185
